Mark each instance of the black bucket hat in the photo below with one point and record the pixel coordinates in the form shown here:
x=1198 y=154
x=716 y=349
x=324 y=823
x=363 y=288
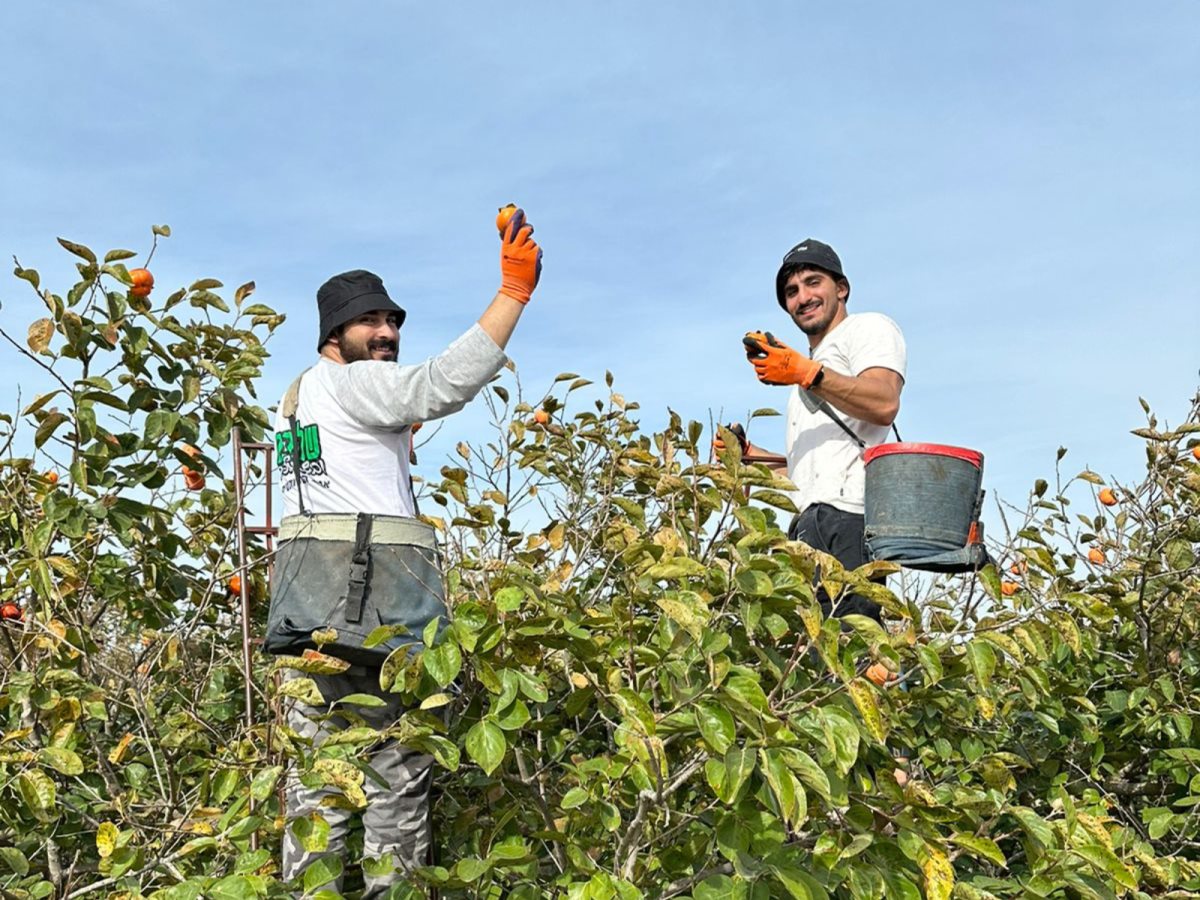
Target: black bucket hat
x=809 y=252
x=348 y=295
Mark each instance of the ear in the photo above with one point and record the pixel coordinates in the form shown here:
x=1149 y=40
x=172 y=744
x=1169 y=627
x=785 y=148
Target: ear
x=843 y=290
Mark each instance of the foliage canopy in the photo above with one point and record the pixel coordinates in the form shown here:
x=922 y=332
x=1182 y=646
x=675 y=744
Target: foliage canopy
x=637 y=695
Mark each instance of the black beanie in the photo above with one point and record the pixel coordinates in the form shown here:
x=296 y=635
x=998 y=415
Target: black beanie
x=347 y=296
x=809 y=252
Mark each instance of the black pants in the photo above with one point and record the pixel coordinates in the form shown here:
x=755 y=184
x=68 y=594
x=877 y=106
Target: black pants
x=839 y=534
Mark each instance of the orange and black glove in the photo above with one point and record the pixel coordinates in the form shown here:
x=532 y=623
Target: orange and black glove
x=718 y=445
x=776 y=363
x=520 y=259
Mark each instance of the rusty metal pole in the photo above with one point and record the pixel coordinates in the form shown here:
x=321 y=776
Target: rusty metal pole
x=239 y=490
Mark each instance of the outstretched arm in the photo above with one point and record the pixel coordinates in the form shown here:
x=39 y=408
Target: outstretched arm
x=520 y=270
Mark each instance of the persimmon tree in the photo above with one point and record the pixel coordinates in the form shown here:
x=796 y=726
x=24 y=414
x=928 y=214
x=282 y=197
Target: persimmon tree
x=636 y=695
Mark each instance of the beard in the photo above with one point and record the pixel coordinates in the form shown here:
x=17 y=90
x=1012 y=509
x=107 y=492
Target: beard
x=818 y=324
x=379 y=349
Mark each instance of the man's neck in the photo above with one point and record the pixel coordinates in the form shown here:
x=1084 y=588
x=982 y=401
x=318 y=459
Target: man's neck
x=331 y=352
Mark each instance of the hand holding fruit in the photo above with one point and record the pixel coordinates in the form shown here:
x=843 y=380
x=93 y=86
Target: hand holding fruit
x=718 y=443
x=776 y=363
x=520 y=256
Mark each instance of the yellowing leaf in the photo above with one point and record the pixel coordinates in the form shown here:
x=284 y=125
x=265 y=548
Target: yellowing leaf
x=40 y=333
x=987 y=706
x=867 y=704
x=346 y=777
x=939 y=874
x=106 y=839
x=117 y=753
x=556 y=536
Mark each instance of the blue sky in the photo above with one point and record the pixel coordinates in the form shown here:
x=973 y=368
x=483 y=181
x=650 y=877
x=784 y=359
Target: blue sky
x=1014 y=183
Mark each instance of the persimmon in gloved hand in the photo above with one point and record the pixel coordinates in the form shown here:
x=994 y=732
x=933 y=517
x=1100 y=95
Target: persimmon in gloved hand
x=738 y=432
x=776 y=363
x=520 y=259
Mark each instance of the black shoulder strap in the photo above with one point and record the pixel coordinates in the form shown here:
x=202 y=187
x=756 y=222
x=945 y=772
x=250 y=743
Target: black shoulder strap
x=828 y=410
x=360 y=562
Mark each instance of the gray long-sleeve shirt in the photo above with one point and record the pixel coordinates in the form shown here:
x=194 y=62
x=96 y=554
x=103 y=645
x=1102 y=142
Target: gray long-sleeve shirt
x=355 y=425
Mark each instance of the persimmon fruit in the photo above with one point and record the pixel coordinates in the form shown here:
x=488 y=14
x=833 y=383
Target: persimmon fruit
x=504 y=216
x=143 y=282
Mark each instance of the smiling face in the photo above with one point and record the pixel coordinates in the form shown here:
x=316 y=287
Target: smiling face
x=816 y=301
x=371 y=336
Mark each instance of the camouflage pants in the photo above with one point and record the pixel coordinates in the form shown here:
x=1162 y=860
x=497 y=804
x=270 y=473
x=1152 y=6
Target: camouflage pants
x=396 y=818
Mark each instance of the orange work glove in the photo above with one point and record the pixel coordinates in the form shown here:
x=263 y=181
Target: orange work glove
x=740 y=433
x=776 y=363
x=520 y=259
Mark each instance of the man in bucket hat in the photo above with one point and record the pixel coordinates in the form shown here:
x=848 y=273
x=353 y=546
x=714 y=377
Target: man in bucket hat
x=855 y=370
x=343 y=439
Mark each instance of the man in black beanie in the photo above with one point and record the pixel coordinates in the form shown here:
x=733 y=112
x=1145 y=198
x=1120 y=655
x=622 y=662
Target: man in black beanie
x=343 y=437
x=843 y=396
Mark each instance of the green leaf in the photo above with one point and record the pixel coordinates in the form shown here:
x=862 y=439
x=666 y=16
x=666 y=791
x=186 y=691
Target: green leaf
x=810 y=772
x=720 y=887
x=1035 y=826
x=47 y=427
x=486 y=745
x=1108 y=863
x=471 y=868
x=312 y=831
x=754 y=583
x=716 y=726
x=382 y=633
x=443 y=663
x=78 y=249
x=739 y=765
x=322 y=871
x=509 y=599
x=38 y=792
x=778 y=499
x=676 y=568
x=61 y=760
x=789 y=795
x=15 y=860
x=264 y=783
x=240 y=887
x=980 y=847
x=370 y=701
x=982 y=659
x=842 y=734
x=747 y=690
x=574 y=798
x=635 y=711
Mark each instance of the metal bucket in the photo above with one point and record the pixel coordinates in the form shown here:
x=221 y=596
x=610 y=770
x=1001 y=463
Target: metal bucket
x=922 y=506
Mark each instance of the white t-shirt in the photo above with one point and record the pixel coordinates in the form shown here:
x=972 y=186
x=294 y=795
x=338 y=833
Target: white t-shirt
x=823 y=462
x=355 y=425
